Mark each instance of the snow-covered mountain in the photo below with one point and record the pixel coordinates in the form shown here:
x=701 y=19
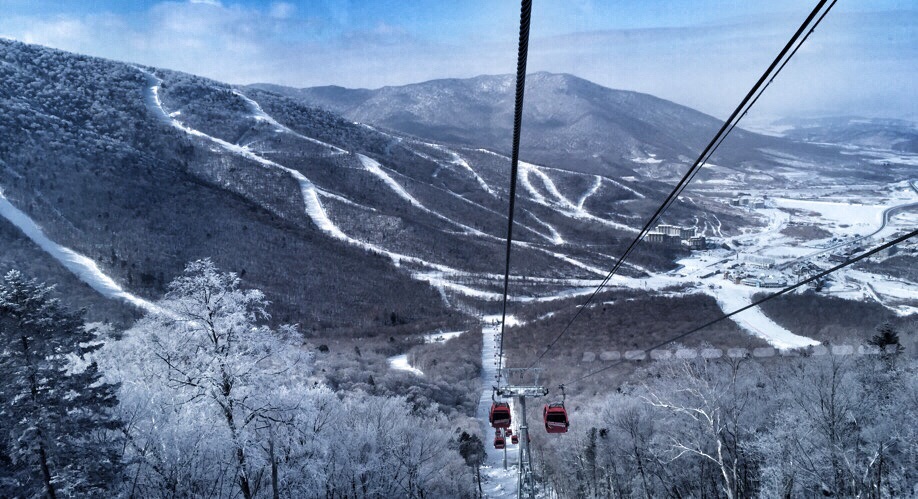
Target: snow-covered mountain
x=388 y=204
x=569 y=122
x=889 y=134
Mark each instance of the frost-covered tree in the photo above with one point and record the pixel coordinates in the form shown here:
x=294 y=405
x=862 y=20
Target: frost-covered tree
x=217 y=404
x=55 y=412
x=205 y=387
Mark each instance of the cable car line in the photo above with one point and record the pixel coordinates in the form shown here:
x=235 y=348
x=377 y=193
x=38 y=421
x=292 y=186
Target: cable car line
x=751 y=97
x=756 y=303
x=756 y=99
x=525 y=14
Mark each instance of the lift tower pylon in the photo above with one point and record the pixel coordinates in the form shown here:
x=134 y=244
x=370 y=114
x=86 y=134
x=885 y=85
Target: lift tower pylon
x=526 y=485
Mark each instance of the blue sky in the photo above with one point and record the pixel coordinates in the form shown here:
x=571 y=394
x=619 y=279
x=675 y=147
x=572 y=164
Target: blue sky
x=705 y=54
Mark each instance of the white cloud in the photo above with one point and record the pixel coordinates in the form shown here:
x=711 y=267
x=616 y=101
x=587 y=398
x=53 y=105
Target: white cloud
x=215 y=3
x=282 y=10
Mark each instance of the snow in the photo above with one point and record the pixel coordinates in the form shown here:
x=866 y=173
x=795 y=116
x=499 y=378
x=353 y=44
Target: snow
x=260 y=115
x=560 y=203
x=440 y=337
x=376 y=169
x=497 y=482
x=317 y=214
x=82 y=267
x=898 y=295
x=623 y=186
x=732 y=297
x=650 y=159
x=555 y=236
x=847 y=218
x=597 y=183
x=839 y=215
x=400 y=363
x=462 y=163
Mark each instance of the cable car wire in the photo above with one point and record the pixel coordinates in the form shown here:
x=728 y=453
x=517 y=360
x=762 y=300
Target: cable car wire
x=790 y=48
x=756 y=303
x=756 y=99
x=522 y=54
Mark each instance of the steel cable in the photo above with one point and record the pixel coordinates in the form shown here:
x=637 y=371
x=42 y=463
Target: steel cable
x=522 y=54
x=756 y=303
x=789 y=48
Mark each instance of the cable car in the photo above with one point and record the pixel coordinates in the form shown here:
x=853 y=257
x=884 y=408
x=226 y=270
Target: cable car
x=499 y=442
x=514 y=439
x=499 y=415
x=555 y=418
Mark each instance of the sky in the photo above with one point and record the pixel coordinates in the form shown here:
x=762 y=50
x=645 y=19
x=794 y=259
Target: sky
x=706 y=54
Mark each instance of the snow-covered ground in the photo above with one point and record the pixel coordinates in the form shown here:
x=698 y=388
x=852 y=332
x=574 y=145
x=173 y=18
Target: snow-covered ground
x=839 y=217
x=496 y=481
x=732 y=297
x=441 y=336
x=260 y=115
x=400 y=363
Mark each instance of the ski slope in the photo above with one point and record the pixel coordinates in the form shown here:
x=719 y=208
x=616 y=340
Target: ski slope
x=79 y=265
x=732 y=297
x=259 y=114
x=400 y=363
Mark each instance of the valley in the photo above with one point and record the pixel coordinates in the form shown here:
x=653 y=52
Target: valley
x=374 y=222
x=434 y=209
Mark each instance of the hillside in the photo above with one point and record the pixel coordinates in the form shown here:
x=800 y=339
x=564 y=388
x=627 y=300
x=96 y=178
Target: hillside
x=389 y=215
x=569 y=122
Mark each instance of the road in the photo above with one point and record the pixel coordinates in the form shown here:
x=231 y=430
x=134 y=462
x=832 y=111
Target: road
x=888 y=213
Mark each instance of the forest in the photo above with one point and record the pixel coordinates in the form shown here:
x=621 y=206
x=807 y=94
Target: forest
x=807 y=426
x=201 y=398
x=205 y=397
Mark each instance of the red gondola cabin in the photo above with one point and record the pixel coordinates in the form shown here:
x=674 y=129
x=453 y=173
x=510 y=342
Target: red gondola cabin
x=514 y=439
x=555 y=417
x=499 y=441
x=500 y=415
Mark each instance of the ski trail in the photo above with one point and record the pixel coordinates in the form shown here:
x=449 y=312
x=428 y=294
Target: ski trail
x=317 y=214
x=79 y=265
x=376 y=169
x=718 y=231
x=549 y=238
x=590 y=192
x=316 y=211
x=462 y=163
x=625 y=187
x=309 y=191
x=400 y=363
x=526 y=170
x=260 y=115
x=562 y=204
x=754 y=320
x=336 y=197
x=456 y=158
x=555 y=237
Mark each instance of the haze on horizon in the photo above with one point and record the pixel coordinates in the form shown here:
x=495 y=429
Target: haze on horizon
x=862 y=60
